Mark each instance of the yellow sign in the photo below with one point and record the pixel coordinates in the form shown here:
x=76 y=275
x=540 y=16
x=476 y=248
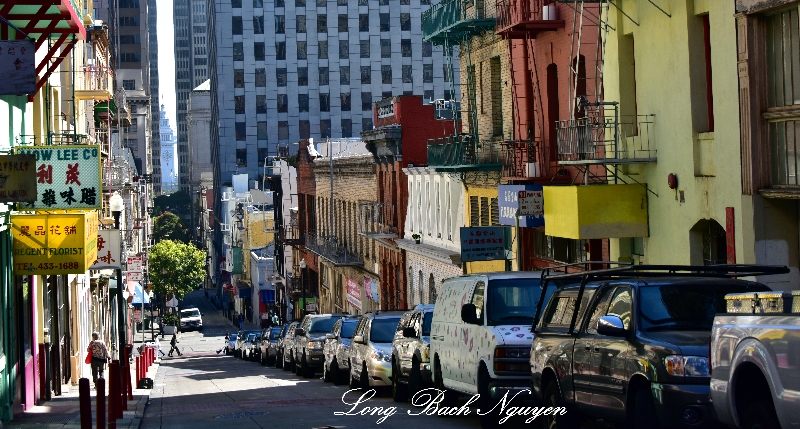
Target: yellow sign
x=54 y=243
x=595 y=211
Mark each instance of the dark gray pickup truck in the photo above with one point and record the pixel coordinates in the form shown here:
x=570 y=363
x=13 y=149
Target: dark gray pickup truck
x=636 y=351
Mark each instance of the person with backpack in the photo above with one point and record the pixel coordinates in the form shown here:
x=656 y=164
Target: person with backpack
x=174 y=343
x=99 y=352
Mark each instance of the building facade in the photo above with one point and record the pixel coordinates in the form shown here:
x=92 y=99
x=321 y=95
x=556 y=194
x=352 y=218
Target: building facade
x=155 y=112
x=199 y=122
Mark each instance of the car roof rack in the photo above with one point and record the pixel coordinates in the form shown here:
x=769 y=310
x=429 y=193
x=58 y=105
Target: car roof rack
x=602 y=270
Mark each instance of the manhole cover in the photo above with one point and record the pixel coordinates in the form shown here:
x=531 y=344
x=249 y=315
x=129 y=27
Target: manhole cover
x=241 y=415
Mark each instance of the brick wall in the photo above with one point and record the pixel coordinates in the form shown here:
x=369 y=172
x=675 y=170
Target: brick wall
x=419 y=267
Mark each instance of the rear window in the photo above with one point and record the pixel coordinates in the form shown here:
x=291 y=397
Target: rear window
x=320 y=324
x=514 y=301
x=426 y=323
x=274 y=333
x=382 y=330
x=559 y=311
x=348 y=327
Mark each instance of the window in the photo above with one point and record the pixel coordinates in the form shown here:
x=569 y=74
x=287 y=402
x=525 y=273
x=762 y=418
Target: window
x=236 y=24
x=599 y=310
x=302 y=102
x=363 y=2
x=364 y=48
x=407 y=74
x=238 y=102
x=280 y=24
x=321 y=3
x=302 y=76
x=305 y=129
x=279 y=3
x=405 y=47
x=427 y=49
x=347 y=127
x=386 y=48
x=130 y=57
x=129 y=84
x=134 y=126
x=427 y=73
x=446 y=74
x=280 y=77
x=238 y=51
x=448 y=95
x=129 y=40
x=427 y=96
x=345 y=101
x=384 y=22
x=344 y=49
x=477 y=299
x=302 y=54
x=299 y=3
x=241 y=131
x=236 y=4
x=325 y=128
x=386 y=75
x=134 y=108
x=496 y=96
x=283 y=130
x=301 y=23
x=241 y=157
x=366 y=74
x=322 y=23
x=129 y=21
x=405 y=22
x=258 y=3
x=366 y=124
x=261 y=78
x=280 y=50
x=238 y=78
x=129 y=4
x=263 y=153
x=343 y=23
x=363 y=22
x=341 y=2
x=323 y=49
x=133 y=144
x=559 y=249
x=324 y=102
x=258 y=25
x=344 y=75
x=386 y=94
x=323 y=75
x=261 y=133
x=366 y=101
x=258 y=51
x=261 y=104
x=283 y=103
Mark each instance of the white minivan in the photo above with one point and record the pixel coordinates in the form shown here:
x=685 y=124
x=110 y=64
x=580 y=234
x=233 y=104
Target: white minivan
x=481 y=335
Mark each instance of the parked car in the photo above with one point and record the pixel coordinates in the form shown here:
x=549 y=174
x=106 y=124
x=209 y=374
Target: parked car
x=268 y=345
x=308 y=342
x=371 y=349
x=279 y=346
x=637 y=350
x=230 y=344
x=191 y=318
x=253 y=349
x=411 y=369
x=287 y=347
x=337 y=350
x=755 y=354
x=481 y=336
x=243 y=342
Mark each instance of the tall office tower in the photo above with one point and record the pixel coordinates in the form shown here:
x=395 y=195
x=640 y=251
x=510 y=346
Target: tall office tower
x=285 y=70
x=169 y=163
x=152 y=18
x=191 y=70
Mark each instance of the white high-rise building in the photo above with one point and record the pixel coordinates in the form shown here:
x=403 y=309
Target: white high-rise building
x=169 y=161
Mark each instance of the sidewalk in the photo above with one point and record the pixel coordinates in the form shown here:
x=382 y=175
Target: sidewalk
x=64 y=411
x=248 y=325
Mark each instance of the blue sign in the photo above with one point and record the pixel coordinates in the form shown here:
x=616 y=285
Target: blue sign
x=483 y=243
x=508 y=203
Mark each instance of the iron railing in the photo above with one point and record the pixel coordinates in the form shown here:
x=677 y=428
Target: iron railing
x=523 y=159
x=53 y=139
x=512 y=12
x=377 y=219
x=329 y=248
x=455 y=20
x=603 y=136
x=96 y=78
x=462 y=150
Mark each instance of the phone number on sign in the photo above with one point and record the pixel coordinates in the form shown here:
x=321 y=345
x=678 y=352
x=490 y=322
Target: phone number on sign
x=47 y=266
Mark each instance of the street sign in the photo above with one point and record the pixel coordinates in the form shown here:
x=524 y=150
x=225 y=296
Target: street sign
x=134 y=276
x=172 y=302
x=264 y=316
x=311 y=306
x=483 y=243
x=531 y=203
x=134 y=264
x=137 y=316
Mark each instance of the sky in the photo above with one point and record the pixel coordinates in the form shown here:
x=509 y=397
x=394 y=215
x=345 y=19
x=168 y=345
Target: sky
x=166 y=59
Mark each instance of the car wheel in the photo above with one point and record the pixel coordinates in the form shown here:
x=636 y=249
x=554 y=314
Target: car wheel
x=287 y=366
x=298 y=368
x=399 y=390
x=644 y=410
x=336 y=373
x=490 y=415
x=364 y=378
x=552 y=398
x=353 y=383
x=278 y=361
x=414 y=379
x=450 y=398
x=760 y=415
x=305 y=370
x=262 y=360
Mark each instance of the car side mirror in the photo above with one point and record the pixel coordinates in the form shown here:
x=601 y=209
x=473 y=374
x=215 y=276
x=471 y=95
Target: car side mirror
x=358 y=339
x=409 y=332
x=330 y=336
x=299 y=331
x=611 y=326
x=469 y=314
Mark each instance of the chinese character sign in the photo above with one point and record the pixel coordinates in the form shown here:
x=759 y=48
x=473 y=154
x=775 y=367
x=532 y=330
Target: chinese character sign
x=354 y=293
x=67 y=177
x=54 y=243
x=108 y=250
x=483 y=243
x=527 y=201
x=17 y=178
x=18 y=67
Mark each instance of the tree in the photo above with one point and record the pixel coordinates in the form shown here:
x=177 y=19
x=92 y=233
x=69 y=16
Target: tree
x=170 y=225
x=176 y=202
x=176 y=267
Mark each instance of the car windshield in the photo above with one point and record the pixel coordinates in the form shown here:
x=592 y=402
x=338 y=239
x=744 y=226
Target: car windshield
x=426 y=324
x=322 y=324
x=190 y=313
x=251 y=337
x=513 y=301
x=348 y=327
x=382 y=330
x=686 y=306
x=233 y=337
x=274 y=333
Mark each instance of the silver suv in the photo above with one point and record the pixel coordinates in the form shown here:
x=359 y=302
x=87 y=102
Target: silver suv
x=287 y=347
x=411 y=368
x=371 y=349
x=337 y=350
x=309 y=337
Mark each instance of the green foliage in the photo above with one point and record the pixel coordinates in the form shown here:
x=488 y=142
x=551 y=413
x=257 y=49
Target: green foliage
x=171 y=319
x=176 y=267
x=176 y=202
x=168 y=225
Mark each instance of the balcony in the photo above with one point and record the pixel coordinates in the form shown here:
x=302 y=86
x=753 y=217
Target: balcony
x=518 y=19
x=452 y=21
x=524 y=160
x=461 y=152
x=53 y=139
x=603 y=136
x=377 y=220
x=329 y=248
x=94 y=83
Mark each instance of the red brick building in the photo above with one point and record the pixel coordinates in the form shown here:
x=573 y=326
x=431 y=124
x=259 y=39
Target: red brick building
x=306 y=223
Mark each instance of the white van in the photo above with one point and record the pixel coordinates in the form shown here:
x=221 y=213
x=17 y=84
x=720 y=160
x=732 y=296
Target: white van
x=481 y=335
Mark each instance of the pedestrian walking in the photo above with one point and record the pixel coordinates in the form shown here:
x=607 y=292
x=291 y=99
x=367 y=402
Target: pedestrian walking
x=158 y=347
x=100 y=356
x=174 y=343
x=227 y=338
x=161 y=326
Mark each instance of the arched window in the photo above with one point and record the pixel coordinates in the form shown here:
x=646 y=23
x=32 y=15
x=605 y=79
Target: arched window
x=708 y=245
x=431 y=290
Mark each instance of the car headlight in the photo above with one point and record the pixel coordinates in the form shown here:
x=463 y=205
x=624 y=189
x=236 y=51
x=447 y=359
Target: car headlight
x=315 y=344
x=687 y=366
x=381 y=356
x=425 y=353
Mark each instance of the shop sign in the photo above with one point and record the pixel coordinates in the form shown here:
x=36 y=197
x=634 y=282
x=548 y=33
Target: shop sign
x=17 y=178
x=371 y=288
x=134 y=276
x=527 y=201
x=137 y=316
x=54 y=243
x=354 y=293
x=108 y=250
x=386 y=108
x=483 y=243
x=135 y=264
x=67 y=177
x=18 y=67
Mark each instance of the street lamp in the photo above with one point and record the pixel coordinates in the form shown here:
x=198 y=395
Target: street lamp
x=117 y=205
x=303 y=266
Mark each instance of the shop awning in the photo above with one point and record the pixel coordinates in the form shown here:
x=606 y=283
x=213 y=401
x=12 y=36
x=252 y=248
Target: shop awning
x=267 y=296
x=244 y=292
x=140 y=296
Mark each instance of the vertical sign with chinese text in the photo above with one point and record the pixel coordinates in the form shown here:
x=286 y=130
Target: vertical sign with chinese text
x=108 y=250
x=67 y=177
x=18 y=67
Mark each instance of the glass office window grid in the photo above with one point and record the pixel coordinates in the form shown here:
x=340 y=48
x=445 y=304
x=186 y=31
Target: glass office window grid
x=302 y=102
x=366 y=75
x=259 y=53
x=344 y=75
x=302 y=76
x=323 y=76
x=301 y=23
x=322 y=23
x=258 y=25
